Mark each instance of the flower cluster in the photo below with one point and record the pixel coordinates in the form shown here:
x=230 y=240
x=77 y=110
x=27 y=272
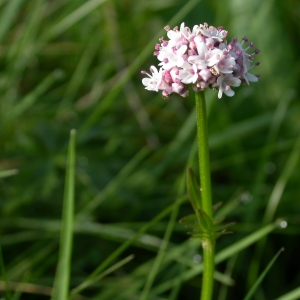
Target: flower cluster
x=201 y=57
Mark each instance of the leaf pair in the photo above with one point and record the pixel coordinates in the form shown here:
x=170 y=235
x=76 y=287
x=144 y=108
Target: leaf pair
x=202 y=225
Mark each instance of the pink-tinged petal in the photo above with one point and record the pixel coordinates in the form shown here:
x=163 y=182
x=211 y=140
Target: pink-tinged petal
x=177 y=87
x=154 y=82
x=181 y=50
x=205 y=74
x=229 y=92
x=250 y=77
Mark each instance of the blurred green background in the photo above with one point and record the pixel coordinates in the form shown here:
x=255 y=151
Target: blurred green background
x=76 y=64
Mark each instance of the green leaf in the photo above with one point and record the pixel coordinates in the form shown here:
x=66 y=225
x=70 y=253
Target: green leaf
x=189 y=220
x=62 y=277
x=224 y=227
x=218 y=221
x=205 y=222
x=193 y=190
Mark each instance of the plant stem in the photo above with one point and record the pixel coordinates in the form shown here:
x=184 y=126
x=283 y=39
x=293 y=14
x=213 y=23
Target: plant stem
x=204 y=163
x=208 y=272
x=206 y=201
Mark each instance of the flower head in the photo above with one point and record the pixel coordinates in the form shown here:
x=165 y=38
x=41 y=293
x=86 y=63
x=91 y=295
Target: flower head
x=200 y=57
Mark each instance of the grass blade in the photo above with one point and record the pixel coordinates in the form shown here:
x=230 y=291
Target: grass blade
x=72 y=18
x=130 y=241
x=4 y=277
x=8 y=173
x=160 y=256
x=282 y=182
x=7 y=17
x=33 y=96
x=262 y=276
x=292 y=295
x=62 y=277
x=113 y=268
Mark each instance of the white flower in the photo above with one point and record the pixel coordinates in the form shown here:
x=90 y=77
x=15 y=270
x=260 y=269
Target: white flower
x=179 y=37
x=225 y=82
x=205 y=74
x=200 y=60
x=154 y=82
x=188 y=73
x=171 y=57
x=250 y=77
x=212 y=32
x=221 y=61
x=243 y=61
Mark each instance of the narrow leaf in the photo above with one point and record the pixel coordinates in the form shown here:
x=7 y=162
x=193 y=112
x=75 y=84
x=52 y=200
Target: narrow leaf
x=62 y=277
x=225 y=226
x=193 y=190
x=189 y=220
x=204 y=220
x=8 y=173
x=4 y=277
x=292 y=295
x=8 y=15
x=218 y=221
x=91 y=281
x=262 y=276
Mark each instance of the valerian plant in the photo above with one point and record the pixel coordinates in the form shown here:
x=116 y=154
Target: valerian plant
x=202 y=58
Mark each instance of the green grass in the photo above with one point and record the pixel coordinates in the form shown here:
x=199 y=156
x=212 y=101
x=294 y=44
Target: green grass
x=76 y=64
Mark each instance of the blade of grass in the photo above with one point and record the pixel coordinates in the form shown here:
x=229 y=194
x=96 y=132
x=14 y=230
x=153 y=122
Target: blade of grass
x=71 y=19
x=80 y=73
x=259 y=179
x=262 y=276
x=8 y=173
x=22 y=287
x=155 y=266
x=30 y=259
x=229 y=269
x=160 y=256
x=32 y=97
x=273 y=203
x=32 y=289
x=281 y=183
x=19 y=48
x=62 y=277
x=8 y=15
x=4 y=276
x=113 y=268
x=130 y=241
x=292 y=295
x=114 y=233
x=162 y=251
x=111 y=187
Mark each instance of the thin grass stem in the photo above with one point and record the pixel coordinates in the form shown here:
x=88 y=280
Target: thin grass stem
x=62 y=277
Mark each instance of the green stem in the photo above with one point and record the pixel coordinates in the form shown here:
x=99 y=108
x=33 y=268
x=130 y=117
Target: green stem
x=208 y=273
x=206 y=201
